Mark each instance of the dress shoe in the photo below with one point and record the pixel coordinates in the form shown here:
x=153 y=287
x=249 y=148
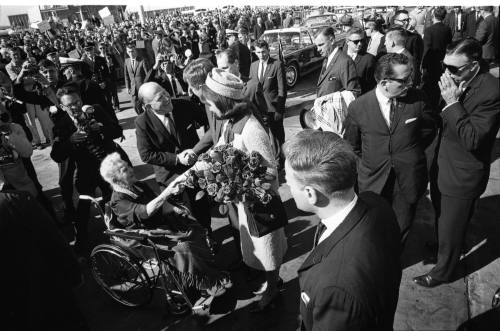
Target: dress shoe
x=427 y=281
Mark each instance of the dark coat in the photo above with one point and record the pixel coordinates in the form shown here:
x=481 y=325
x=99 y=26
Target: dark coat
x=468 y=135
x=365 y=67
x=212 y=136
x=98 y=68
x=135 y=77
x=269 y=25
x=488 y=35
x=340 y=75
x=273 y=86
x=160 y=148
x=451 y=20
x=352 y=278
x=436 y=38
x=400 y=147
x=258 y=30
x=244 y=58
x=472 y=21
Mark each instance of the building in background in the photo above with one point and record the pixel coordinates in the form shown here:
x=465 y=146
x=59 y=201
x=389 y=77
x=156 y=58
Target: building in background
x=19 y=17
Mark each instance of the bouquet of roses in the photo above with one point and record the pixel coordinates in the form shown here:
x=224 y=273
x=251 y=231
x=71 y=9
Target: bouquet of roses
x=227 y=174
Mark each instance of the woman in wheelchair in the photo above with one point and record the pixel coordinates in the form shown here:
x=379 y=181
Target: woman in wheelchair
x=137 y=207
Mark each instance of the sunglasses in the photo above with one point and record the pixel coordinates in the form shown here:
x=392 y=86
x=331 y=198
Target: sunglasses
x=407 y=81
x=355 y=42
x=454 y=69
x=404 y=20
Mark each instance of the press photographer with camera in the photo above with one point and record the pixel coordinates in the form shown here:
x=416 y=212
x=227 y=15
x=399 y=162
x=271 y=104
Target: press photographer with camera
x=86 y=136
x=164 y=73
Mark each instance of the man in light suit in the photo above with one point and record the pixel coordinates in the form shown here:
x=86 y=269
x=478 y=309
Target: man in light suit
x=339 y=71
x=268 y=76
x=389 y=128
x=470 y=122
x=136 y=73
x=350 y=280
x=165 y=130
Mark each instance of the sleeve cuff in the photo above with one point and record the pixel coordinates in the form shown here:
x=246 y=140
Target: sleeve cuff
x=447 y=106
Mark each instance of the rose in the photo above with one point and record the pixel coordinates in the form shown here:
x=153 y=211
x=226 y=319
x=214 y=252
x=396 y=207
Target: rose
x=204 y=158
x=189 y=181
x=212 y=189
x=202 y=183
x=216 y=167
x=255 y=154
x=231 y=151
x=253 y=163
x=216 y=156
x=220 y=178
x=266 y=198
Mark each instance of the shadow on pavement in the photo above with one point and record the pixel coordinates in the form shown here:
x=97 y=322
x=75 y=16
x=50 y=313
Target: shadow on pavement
x=487 y=321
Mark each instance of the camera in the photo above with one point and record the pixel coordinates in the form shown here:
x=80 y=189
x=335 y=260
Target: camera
x=31 y=68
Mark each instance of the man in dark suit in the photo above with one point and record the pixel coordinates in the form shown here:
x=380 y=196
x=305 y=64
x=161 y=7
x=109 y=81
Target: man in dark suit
x=364 y=62
x=99 y=72
x=471 y=119
x=350 y=280
x=85 y=137
x=472 y=19
x=269 y=24
x=339 y=71
x=268 y=75
x=136 y=70
x=488 y=35
x=389 y=128
x=244 y=56
x=436 y=38
x=165 y=130
x=456 y=21
x=395 y=41
x=259 y=28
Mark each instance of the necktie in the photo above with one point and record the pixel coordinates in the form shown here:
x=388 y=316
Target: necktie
x=392 y=112
x=169 y=121
x=320 y=228
x=323 y=68
x=261 y=75
x=133 y=63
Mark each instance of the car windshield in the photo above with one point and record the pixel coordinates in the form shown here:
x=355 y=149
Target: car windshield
x=289 y=40
x=324 y=19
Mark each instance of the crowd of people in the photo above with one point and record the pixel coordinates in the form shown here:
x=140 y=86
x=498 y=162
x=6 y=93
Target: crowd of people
x=425 y=112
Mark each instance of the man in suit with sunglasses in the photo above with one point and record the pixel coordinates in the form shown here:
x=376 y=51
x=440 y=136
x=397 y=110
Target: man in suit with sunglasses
x=470 y=122
x=363 y=61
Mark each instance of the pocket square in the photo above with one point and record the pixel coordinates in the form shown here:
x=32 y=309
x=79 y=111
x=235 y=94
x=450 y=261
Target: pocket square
x=332 y=78
x=305 y=298
x=189 y=126
x=410 y=120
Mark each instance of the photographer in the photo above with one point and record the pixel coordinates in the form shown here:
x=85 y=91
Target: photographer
x=86 y=136
x=164 y=73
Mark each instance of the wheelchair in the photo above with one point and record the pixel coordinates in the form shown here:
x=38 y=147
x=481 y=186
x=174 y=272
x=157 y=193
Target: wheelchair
x=129 y=278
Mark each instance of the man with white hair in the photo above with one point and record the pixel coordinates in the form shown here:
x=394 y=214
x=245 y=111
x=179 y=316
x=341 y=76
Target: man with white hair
x=166 y=130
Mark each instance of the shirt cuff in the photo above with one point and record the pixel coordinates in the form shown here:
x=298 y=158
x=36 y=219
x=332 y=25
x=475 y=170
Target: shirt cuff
x=448 y=105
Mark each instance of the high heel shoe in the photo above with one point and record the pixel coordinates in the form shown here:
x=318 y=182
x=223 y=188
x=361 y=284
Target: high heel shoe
x=265 y=302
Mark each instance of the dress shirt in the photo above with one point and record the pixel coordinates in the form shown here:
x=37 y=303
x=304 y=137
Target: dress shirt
x=334 y=221
x=459 y=22
x=262 y=63
x=352 y=55
x=330 y=57
x=385 y=105
x=165 y=119
x=132 y=63
x=375 y=39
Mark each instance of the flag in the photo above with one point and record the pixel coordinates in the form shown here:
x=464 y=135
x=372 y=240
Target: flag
x=280 y=50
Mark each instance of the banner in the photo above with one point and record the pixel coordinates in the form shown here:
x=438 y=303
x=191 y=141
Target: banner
x=42 y=26
x=139 y=44
x=108 y=20
x=104 y=12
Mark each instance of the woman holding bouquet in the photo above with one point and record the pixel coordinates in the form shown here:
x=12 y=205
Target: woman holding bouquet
x=243 y=127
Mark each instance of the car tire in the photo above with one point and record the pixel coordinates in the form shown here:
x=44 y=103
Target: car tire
x=291 y=74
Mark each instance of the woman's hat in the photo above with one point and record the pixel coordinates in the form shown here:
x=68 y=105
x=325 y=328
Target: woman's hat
x=225 y=84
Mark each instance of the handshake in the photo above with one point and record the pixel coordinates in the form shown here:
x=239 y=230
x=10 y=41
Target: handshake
x=187 y=157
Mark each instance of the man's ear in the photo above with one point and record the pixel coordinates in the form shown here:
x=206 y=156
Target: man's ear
x=311 y=195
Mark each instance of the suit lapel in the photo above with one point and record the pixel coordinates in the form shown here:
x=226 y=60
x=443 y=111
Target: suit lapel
x=324 y=248
x=327 y=70
x=268 y=67
x=378 y=112
x=158 y=125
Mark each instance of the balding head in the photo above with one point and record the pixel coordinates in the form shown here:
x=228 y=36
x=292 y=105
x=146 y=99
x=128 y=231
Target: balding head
x=153 y=96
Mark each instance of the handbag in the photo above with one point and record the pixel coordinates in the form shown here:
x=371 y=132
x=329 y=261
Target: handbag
x=266 y=218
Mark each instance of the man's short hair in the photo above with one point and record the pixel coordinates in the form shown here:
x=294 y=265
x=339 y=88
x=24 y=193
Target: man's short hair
x=261 y=44
x=328 y=32
x=67 y=89
x=385 y=65
x=45 y=63
x=231 y=55
x=401 y=11
x=440 y=13
x=397 y=35
x=196 y=72
x=488 y=9
x=355 y=30
x=469 y=47
x=322 y=160
x=131 y=45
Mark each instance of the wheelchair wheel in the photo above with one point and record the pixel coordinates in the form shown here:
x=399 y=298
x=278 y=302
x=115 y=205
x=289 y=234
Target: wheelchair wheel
x=121 y=275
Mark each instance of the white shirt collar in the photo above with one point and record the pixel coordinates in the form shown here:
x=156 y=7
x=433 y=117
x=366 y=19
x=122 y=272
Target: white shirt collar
x=333 y=222
x=381 y=97
x=400 y=51
x=330 y=57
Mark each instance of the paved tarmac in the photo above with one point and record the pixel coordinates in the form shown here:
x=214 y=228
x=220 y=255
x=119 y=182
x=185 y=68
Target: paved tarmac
x=464 y=304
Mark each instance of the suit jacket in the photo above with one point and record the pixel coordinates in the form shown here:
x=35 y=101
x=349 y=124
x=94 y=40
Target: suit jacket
x=157 y=146
x=468 y=135
x=258 y=30
x=436 y=38
x=244 y=58
x=340 y=75
x=98 y=68
x=452 y=21
x=350 y=281
x=365 y=67
x=269 y=25
x=273 y=85
x=135 y=77
x=488 y=35
x=400 y=147
x=472 y=20
x=212 y=136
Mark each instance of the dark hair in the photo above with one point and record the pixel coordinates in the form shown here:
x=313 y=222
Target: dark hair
x=355 y=30
x=469 y=47
x=322 y=160
x=328 y=32
x=385 y=65
x=398 y=35
x=232 y=56
x=196 y=72
x=261 y=44
x=440 y=13
x=488 y=9
x=401 y=11
x=224 y=104
x=45 y=63
x=131 y=45
x=67 y=89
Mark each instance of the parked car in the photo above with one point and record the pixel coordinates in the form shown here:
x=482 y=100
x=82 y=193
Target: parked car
x=299 y=52
x=316 y=23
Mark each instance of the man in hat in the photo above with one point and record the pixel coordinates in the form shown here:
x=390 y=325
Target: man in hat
x=97 y=65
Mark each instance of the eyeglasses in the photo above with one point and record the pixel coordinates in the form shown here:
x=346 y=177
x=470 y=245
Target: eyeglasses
x=355 y=42
x=406 y=81
x=403 y=20
x=454 y=69
x=74 y=106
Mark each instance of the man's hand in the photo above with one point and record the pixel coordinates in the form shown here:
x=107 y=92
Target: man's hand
x=129 y=91
x=449 y=89
x=187 y=157
x=278 y=116
x=95 y=127
x=78 y=137
x=102 y=85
